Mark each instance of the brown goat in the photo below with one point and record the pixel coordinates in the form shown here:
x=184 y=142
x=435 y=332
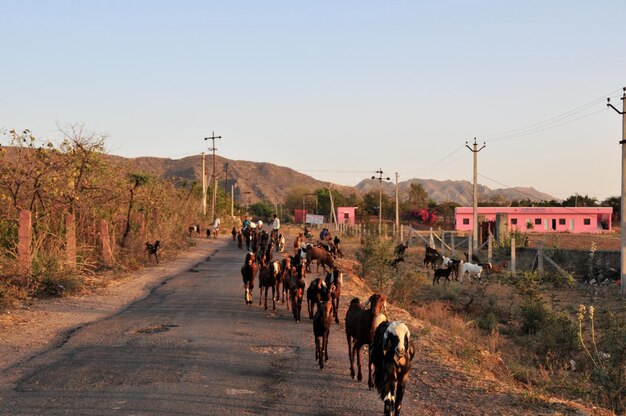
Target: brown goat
x=361 y=322
x=321 y=331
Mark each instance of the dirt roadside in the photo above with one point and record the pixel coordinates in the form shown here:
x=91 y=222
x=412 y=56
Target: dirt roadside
x=27 y=331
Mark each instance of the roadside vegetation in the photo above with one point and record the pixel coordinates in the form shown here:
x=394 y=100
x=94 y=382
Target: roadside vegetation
x=552 y=334
x=75 y=176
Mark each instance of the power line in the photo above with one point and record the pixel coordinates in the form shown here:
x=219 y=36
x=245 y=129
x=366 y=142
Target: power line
x=529 y=195
x=549 y=121
x=539 y=130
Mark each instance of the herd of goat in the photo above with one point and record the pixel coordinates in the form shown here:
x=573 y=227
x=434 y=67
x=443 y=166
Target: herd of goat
x=389 y=343
x=390 y=347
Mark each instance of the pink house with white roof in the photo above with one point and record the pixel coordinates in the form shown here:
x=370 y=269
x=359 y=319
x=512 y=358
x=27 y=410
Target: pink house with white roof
x=540 y=219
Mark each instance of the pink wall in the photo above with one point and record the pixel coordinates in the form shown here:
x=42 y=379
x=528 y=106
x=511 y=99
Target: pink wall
x=345 y=215
x=543 y=219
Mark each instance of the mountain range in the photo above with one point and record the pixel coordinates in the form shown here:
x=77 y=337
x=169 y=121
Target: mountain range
x=267 y=181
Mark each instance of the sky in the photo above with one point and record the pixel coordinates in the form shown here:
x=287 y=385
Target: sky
x=333 y=89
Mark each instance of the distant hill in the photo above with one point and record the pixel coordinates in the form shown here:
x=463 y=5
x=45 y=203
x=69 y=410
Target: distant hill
x=270 y=182
x=264 y=181
x=457 y=191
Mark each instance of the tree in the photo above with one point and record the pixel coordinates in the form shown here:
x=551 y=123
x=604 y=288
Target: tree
x=417 y=197
x=263 y=209
x=136 y=180
x=578 y=200
x=614 y=202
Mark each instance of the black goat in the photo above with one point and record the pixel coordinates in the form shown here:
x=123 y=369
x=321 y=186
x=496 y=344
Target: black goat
x=400 y=249
x=391 y=353
x=433 y=259
x=153 y=249
x=439 y=273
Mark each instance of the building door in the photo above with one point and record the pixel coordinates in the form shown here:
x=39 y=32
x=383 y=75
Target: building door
x=554 y=223
x=571 y=224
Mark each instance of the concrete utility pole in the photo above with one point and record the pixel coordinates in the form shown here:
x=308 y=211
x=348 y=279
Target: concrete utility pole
x=623 y=203
x=380 y=200
x=203 y=185
x=397 y=209
x=475 y=150
x=213 y=174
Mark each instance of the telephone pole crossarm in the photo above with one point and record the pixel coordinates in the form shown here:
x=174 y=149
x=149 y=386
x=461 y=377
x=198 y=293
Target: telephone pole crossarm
x=380 y=199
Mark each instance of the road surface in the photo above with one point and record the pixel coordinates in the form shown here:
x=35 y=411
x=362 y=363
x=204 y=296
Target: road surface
x=191 y=347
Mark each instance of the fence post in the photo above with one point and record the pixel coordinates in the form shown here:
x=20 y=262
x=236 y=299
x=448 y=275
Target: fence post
x=105 y=239
x=490 y=248
x=513 y=265
x=431 y=240
x=23 y=241
x=470 y=246
x=452 y=242
x=540 y=257
x=443 y=242
x=70 y=240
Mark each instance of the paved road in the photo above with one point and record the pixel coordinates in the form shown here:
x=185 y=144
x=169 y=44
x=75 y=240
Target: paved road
x=192 y=347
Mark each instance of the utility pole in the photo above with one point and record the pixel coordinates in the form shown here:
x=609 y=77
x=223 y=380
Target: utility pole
x=397 y=209
x=232 y=201
x=380 y=200
x=203 y=185
x=475 y=150
x=214 y=173
x=226 y=174
x=623 y=203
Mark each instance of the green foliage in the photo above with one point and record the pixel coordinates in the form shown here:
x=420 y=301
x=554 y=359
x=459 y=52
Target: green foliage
x=487 y=322
x=375 y=259
x=263 y=210
x=555 y=339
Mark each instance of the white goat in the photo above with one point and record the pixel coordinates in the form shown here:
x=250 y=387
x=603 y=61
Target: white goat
x=474 y=270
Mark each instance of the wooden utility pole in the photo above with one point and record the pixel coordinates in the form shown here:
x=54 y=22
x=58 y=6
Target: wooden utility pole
x=203 y=185
x=475 y=150
x=623 y=203
x=213 y=174
x=397 y=209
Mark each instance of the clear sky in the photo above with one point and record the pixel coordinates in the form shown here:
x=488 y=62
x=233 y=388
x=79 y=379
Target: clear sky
x=333 y=89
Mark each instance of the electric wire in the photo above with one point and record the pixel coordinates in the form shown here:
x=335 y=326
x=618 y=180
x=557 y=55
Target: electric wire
x=548 y=122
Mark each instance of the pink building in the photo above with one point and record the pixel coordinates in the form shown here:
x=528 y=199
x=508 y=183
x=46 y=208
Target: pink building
x=540 y=219
x=346 y=215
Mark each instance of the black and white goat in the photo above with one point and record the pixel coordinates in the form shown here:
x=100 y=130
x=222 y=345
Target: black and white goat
x=391 y=353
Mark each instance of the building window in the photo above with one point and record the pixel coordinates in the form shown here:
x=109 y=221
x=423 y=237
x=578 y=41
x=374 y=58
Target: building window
x=513 y=221
x=465 y=221
x=561 y=221
x=587 y=221
x=537 y=221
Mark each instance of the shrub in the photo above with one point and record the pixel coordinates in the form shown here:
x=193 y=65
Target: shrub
x=534 y=314
x=487 y=322
x=608 y=356
x=375 y=259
